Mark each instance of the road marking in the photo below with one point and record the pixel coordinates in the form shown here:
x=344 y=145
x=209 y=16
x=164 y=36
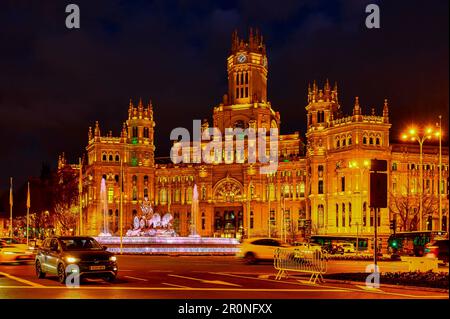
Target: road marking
x=135 y=278
x=369 y=288
x=216 y=282
x=24 y=281
x=178 y=288
x=342 y=288
x=173 y=285
x=160 y=271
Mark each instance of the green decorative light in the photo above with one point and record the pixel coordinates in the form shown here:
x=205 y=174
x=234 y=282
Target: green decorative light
x=134 y=140
x=134 y=161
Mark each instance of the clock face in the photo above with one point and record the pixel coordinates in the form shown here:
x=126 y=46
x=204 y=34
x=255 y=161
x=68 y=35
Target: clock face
x=241 y=58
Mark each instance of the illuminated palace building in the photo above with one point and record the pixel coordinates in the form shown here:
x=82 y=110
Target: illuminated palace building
x=320 y=186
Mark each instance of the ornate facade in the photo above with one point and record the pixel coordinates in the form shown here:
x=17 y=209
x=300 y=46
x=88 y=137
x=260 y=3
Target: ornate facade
x=322 y=179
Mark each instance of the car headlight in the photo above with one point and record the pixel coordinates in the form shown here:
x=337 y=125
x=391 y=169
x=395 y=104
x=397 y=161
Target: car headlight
x=112 y=258
x=71 y=259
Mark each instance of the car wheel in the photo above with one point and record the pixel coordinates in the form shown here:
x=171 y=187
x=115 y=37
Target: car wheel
x=61 y=274
x=249 y=258
x=39 y=273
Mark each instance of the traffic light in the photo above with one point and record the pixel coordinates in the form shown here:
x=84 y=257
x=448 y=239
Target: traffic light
x=393 y=225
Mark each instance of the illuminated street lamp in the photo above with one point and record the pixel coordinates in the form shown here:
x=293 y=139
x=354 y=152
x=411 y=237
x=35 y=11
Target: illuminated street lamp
x=420 y=136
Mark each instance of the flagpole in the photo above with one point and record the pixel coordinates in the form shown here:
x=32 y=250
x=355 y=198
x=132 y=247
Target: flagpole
x=28 y=211
x=80 y=194
x=121 y=205
x=10 y=208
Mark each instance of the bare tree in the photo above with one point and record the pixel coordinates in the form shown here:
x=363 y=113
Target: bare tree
x=64 y=198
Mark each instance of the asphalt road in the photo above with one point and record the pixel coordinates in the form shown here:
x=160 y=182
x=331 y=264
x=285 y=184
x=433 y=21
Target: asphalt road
x=188 y=277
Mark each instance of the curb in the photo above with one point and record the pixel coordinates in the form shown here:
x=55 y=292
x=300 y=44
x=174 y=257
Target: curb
x=388 y=285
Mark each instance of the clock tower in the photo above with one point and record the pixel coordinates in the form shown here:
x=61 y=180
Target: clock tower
x=247 y=70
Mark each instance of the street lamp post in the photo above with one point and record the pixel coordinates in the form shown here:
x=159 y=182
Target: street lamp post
x=440 y=172
x=420 y=137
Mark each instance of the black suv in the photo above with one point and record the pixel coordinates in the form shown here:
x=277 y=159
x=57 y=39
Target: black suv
x=57 y=253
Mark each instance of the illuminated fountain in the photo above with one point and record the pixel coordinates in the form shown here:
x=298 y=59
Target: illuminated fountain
x=153 y=234
x=104 y=209
x=194 y=213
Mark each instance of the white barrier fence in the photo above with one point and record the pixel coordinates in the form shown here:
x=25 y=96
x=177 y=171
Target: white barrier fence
x=299 y=260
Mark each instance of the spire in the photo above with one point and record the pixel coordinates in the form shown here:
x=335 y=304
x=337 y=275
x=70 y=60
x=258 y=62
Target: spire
x=356 y=107
x=373 y=111
x=97 y=129
x=130 y=109
x=123 y=133
x=90 y=133
x=386 y=111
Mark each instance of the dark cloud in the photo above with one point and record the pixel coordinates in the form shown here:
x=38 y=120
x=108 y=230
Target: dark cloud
x=55 y=82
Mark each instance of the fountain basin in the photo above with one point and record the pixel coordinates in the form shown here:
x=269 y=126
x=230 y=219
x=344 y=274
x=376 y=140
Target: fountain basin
x=191 y=245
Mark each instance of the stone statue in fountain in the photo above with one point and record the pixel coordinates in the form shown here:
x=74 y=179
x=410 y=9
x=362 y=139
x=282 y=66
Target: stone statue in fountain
x=151 y=224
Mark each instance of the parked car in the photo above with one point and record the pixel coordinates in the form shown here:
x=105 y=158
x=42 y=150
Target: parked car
x=11 y=253
x=258 y=249
x=308 y=246
x=348 y=247
x=333 y=249
x=438 y=249
x=92 y=259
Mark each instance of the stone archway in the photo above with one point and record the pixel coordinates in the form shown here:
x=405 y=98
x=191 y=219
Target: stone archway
x=228 y=190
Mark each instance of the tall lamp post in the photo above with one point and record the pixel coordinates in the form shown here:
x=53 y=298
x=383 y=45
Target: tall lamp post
x=439 y=134
x=420 y=136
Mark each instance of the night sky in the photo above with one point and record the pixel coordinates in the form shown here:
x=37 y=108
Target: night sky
x=56 y=82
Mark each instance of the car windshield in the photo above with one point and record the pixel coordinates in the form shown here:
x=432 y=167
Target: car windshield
x=80 y=244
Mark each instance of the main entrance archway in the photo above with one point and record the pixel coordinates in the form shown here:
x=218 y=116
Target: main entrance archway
x=228 y=212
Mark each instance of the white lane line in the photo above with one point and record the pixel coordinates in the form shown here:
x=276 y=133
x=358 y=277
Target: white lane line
x=216 y=282
x=24 y=281
x=136 y=278
x=179 y=286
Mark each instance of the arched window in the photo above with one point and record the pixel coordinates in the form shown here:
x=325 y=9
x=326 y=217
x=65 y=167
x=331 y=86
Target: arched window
x=349 y=138
x=338 y=143
x=134 y=131
x=189 y=195
x=203 y=193
x=177 y=195
x=117 y=158
x=302 y=189
x=343 y=215
x=364 y=219
x=110 y=157
x=146 y=132
x=104 y=158
x=343 y=141
x=337 y=215
x=251 y=220
x=134 y=178
x=364 y=140
x=163 y=196
x=350 y=214
x=203 y=221
x=371 y=141
x=320 y=215
x=377 y=141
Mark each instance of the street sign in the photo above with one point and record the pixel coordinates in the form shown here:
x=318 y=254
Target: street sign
x=378 y=190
